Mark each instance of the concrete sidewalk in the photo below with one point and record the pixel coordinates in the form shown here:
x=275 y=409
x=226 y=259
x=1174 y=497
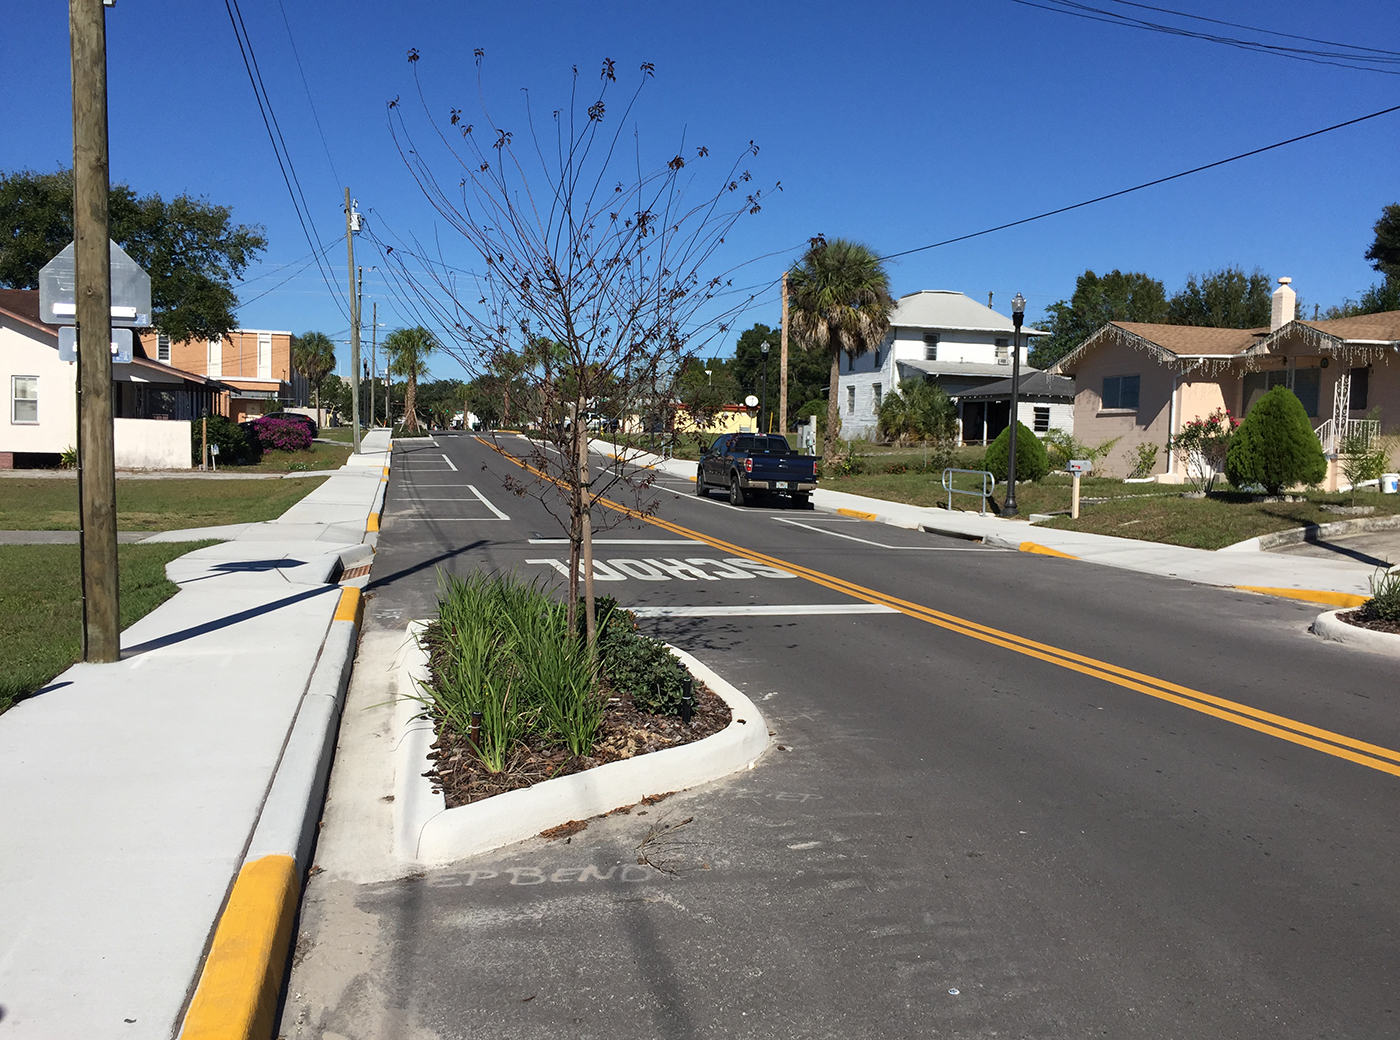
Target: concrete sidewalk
x=137 y=793
x=1336 y=582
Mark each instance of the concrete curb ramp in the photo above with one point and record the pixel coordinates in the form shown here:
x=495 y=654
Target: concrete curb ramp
x=1334 y=629
x=427 y=833
x=242 y=977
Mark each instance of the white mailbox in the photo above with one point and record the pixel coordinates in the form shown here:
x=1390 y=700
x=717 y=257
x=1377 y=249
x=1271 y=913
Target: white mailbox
x=1080 y=466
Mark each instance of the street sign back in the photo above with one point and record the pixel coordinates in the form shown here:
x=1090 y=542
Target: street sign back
x=68 y=345
x=58 y=290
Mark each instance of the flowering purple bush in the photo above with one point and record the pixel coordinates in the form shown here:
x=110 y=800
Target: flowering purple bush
x=282 y=434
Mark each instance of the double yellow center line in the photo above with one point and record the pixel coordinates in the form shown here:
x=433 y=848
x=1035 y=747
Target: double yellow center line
x=1359 y=751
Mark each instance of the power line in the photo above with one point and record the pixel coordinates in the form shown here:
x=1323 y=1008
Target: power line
x=289 y=277
x=1145 y=184
x=245 y=49
x=1255 y=28
x=1342 y=59
x=307 y=87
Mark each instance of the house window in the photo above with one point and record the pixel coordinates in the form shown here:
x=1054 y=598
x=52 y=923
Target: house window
x=851 y=400
x=163 y=348
x=1307 y=387
x=215 y=367
x=264 y=355
x=1042 y=419
x=1121 y=392
x=1360 y=388
x=1003 y=347
x=930 y=346
x=876 y=388
x=1257 y=384
x=24 y=399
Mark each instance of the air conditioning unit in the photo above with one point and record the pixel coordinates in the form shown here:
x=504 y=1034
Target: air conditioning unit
x=1003 y=361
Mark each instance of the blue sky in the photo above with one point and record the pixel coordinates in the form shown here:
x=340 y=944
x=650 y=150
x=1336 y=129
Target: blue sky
x=897 y=124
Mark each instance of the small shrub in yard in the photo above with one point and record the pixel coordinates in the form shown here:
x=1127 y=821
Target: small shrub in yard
x=236 y=448
x=1144 y=461
x=1275 y=446
x=1032 y=463
x=1204 y=444
x=282 y=434
x=1061 y=446
x=1363 y=459
x=643 y=667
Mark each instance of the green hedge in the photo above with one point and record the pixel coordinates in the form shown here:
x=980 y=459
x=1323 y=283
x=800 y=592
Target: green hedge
x=1032 y=462
x=1275 y=446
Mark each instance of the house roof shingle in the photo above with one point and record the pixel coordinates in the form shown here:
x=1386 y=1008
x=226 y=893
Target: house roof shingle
x=949 y=309
x=23 y=305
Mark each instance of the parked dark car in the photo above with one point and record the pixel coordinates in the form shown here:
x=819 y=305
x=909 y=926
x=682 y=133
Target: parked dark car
x=309 y=422
x=754 y=465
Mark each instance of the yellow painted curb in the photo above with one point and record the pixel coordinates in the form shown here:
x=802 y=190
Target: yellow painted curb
x=858 y=514
x=351 y=606
x=237 y=994
x=1044 y=550
x=372 y=524
x=1331 y=599
x=386 y=471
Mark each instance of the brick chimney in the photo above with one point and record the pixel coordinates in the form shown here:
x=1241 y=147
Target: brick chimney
x=1285 y=302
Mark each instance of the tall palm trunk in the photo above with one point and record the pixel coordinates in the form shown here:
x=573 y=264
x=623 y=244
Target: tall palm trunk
x=833 y=410
x=410 y=396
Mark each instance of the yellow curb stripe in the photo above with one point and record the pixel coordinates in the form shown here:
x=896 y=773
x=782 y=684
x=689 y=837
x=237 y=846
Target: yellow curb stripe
x=1336 y=744
x=351 y=606
x=372 y=524
x=1330 y=599
x=858 y=514
x=237 y=994
x=1044 y=550
x=386 y=471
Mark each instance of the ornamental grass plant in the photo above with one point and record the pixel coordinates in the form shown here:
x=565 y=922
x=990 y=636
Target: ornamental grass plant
x=501 y=646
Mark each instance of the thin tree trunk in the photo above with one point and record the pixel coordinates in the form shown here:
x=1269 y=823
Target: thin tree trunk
x=590 y=616
x=833 y=409
x=575 y=540
x=410 y=398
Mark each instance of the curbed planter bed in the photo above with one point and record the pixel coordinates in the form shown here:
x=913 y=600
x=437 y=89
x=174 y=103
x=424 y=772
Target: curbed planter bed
x=428 y=833
x=1330 y=625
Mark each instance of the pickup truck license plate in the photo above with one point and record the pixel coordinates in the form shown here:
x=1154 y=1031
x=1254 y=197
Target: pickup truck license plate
x=786 y=484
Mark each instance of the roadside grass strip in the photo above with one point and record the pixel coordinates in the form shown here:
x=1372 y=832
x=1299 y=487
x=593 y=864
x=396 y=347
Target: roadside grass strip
x=1338 y=745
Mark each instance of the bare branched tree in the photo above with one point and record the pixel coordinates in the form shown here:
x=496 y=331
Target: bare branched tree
x=592 y=278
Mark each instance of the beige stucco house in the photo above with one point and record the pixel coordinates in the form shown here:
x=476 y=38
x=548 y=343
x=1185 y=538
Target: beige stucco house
x=1141 y=382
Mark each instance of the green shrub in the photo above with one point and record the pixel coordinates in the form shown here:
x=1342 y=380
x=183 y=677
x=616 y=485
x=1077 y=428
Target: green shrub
x=236 y=447
x=1144 y=461
x=1032 y=463
x=1384 y=604
x=644 y=668
x=1060 y=447
x=1275 y=446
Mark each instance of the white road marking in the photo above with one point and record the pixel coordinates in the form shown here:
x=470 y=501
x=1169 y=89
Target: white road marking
x=882 y=545
x=691 y=569
x=755 y=610
x=454 y=468
x=488 y=505
x=445 y=519
x=621 y=541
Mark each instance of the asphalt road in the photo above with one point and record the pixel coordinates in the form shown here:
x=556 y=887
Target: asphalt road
x=1038 y=799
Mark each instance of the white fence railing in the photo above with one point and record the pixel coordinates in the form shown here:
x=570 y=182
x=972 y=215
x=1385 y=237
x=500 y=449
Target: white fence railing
x=1333 y=436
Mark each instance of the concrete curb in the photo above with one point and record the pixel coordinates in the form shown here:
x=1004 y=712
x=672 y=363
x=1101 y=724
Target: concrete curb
x=242 y=976
x=1315 y=533
x=427 y=833
x=1334 y=629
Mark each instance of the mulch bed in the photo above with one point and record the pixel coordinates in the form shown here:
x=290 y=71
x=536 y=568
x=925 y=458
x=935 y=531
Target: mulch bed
x=1361 y=619
x=627 y=731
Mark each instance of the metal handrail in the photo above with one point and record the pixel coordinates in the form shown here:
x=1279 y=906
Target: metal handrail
x=989 y=483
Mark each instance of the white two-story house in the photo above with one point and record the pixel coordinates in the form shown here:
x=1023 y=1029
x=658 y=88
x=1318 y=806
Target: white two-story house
x=939 y=335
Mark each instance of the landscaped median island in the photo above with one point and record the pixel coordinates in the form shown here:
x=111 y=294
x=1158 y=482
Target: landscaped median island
x=1381 y=613
x=517 y=699
x=41 y=606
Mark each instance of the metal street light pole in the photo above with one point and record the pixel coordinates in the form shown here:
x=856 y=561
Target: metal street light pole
x=763 y=412
x=1018 y=314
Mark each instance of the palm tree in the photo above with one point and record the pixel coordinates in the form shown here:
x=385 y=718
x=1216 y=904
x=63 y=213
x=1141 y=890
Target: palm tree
x=313 y=355
x=407 y=351
x=839 y=300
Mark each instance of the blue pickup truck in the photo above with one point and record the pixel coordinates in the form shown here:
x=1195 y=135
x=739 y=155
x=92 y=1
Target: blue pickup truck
x=753 y=465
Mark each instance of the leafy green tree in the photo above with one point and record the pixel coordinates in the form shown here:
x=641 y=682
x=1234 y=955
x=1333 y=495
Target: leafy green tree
x=1384 y=254
x=313 y=355
x=1224 y=299
x=408 y=351
x=192 y=249
x=1032 y=462
x=1097 y=300
x=1275 y=446
x=919 y=411
x=839 y=303
x=807 y=370
x=705 y=388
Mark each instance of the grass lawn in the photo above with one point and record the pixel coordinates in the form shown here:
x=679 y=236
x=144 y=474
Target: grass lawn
x=152 y=505
x=1152 y=512
x=321 y=456
x=41 y=610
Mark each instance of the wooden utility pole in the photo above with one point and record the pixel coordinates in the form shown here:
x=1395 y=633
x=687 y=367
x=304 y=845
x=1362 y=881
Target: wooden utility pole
x=782 y=368
x=97 y=477
x=354 y=326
